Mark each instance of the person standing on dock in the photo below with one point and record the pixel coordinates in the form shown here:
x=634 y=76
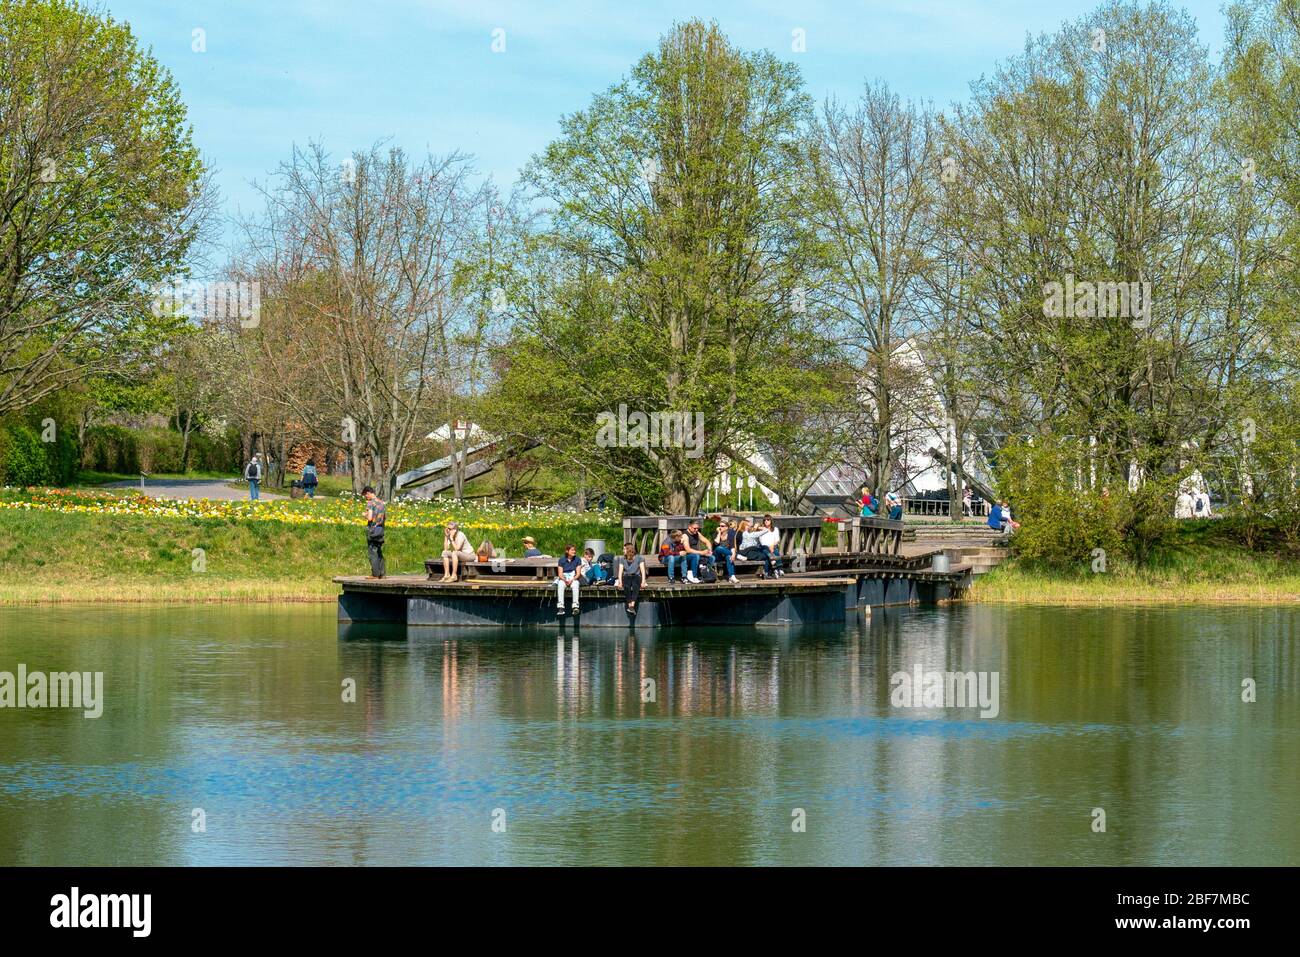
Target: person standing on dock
x=376 y=516
x=567 y=573
x=630 y=576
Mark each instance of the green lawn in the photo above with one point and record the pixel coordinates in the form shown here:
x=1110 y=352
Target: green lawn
x=1203 y=562
x=54 y=556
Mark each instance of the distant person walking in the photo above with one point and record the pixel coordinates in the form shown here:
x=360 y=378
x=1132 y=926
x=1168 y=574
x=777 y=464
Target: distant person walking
x=253 y=473
x=310 y=479
x=376 y=516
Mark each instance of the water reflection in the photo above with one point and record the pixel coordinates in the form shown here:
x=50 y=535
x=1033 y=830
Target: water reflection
x=676 y=746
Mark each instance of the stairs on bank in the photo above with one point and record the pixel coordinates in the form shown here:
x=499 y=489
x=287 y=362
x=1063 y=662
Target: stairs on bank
x=976 y=545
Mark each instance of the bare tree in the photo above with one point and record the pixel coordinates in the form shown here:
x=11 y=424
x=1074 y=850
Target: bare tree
x=361 y=267
x=877 y=161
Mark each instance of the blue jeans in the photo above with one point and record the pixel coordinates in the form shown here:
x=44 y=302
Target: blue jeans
x=310 y=490
x=723 y=553
x=690 y=564
x=252 y=489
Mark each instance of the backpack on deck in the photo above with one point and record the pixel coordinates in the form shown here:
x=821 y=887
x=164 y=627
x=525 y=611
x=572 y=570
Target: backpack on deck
x=606 y=563
x=706 y=573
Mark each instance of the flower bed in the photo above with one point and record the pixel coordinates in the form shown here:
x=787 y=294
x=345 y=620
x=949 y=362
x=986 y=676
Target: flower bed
x=483 y=518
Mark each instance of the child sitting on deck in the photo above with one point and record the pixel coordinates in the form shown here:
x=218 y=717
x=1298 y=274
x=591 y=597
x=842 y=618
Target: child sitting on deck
x=591 y=572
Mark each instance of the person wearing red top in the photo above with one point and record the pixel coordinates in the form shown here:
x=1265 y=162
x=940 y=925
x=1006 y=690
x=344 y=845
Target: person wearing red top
x=673 y=551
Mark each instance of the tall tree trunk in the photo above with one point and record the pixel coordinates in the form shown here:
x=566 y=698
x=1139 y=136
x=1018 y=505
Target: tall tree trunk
x=185 y=442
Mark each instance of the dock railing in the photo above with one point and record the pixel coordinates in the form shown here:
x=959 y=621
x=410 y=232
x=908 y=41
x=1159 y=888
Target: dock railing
x=874 y=536
x=799 y=533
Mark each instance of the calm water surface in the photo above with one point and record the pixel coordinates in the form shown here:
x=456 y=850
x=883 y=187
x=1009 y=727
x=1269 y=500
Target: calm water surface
x=238 y=710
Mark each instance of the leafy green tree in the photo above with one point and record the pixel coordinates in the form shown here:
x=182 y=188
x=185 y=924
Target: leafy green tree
x=673 y=270
x=99 y=195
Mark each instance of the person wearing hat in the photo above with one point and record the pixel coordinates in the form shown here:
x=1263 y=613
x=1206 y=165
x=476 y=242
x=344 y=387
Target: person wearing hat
x=530 y=547
x=455 y=549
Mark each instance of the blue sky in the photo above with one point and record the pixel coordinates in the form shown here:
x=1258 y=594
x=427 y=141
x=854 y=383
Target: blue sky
x=423 y=72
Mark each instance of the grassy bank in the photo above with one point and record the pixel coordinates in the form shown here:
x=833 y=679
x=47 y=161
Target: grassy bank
x=102 y=547
x=1203 y=562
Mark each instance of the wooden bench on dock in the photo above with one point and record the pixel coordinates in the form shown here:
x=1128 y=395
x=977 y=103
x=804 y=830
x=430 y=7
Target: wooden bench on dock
x=537 y=567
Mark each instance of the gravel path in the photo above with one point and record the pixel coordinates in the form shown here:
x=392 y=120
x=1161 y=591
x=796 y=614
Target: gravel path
x=192 y=488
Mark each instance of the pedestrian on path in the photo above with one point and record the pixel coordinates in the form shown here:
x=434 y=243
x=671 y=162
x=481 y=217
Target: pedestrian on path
x=253 y=473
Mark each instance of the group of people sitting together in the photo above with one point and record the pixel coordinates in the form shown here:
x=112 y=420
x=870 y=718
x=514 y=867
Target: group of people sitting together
x=1000 y=517
x=684 y=556
x=686 y=552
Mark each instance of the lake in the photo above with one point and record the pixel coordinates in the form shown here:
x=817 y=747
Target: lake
x=225 y=738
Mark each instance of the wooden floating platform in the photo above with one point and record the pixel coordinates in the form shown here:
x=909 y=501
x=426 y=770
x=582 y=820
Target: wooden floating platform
x=838 y=588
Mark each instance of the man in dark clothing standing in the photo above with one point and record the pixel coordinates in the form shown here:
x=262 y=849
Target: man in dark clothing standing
x=376 y=514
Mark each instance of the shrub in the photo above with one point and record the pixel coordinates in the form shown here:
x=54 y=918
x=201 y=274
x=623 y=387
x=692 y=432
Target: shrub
x=215 y=453
x=25 y=459
x=1062 y=524
x=110 y=448
x=159 y=450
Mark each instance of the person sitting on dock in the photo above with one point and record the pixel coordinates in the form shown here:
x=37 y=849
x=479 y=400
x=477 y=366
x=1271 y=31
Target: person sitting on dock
x=455 y=549
x=530 y=547
x=567 y=572
x=771 y=540
x=630 y=576
x=591 y=572
x=724 y=549
x=751 y=546
x=673 y=554
x=698 y=549
x=868 y=503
